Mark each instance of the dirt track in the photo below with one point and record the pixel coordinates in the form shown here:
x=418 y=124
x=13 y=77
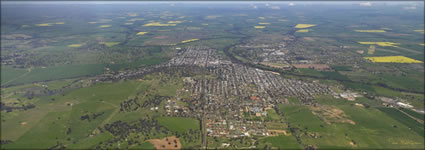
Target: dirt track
x=171 y=142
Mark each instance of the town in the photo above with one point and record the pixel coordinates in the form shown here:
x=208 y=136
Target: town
x=222 y=91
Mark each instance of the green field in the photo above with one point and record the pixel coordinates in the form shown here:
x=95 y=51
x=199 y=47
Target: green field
x=53 y=73
x=146 y=145
x=53 y=119
x=8 y=74
x=409 y=122
x=45 y=133
x=179 y=124
x=281 y=142
x=413 y=113
x=272 y=116
x=369 y=122
x=136 y=64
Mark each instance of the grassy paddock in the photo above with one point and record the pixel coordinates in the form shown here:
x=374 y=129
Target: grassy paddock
x=179 y=124
x=58 y=72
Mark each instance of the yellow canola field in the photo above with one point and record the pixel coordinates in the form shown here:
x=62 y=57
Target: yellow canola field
x=262 y=18
x=172 y=22
x=105 y=26
x=303 y=30
x=191 y=40
x=381 y=43
x=211 y=17
x=169 y=44
x=259 y=27
x=299 y=26
x=392 y=59
x=370 y=31
x=109 y=44
x=141 y=33
x=157 y=24
x=74 y=45
x=263 y=23
x=371 y=50
x=422 y=44
x=60 y=23
x=105 y=20
x=43 y=25
x=420 y=31
x=205 y=24
x=136 y=19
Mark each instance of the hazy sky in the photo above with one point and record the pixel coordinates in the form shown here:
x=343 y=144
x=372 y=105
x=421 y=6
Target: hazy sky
x=225 y=2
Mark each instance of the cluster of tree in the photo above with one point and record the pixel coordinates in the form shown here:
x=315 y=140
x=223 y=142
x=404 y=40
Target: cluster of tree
x=242 y=140
x=93 y=116
x=119 y=128
x=169 y=142
x=130 y=105
x=68 y=131
x=123 y=129
x=58 y=145
x=11 y=108
x=291 y=128
x=18 y=60
x=153 y=100
x=294 y=132
x=3 y=142
x=30 y=94
x=143 y=127
x=189 y=136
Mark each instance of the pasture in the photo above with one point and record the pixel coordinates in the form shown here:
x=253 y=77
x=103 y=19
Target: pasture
x=369 y=121
x=52 y=73
x=279 y=142
x=179 y=124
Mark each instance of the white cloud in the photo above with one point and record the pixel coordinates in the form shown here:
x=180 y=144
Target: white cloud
x=410 y=7
x=291 y=4
x=275 y=7
x=365 y=4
